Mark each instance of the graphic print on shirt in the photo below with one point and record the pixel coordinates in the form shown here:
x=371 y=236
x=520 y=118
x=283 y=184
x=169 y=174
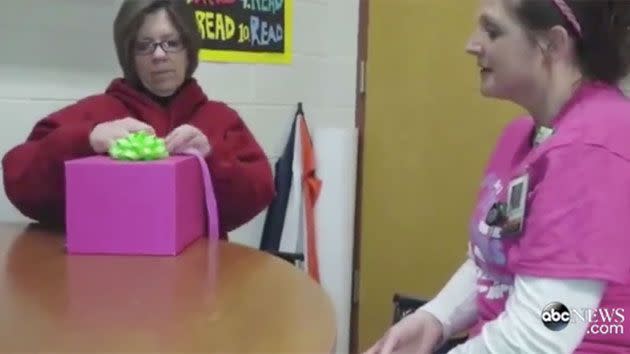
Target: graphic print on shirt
x=487 y=247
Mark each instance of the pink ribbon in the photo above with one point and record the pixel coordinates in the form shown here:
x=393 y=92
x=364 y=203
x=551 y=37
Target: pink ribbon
x=211 y=202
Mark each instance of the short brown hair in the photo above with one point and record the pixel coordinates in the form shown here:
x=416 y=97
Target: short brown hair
x=129 y=20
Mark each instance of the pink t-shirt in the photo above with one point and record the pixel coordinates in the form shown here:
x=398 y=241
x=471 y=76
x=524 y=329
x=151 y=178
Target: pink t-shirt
x=577 y=221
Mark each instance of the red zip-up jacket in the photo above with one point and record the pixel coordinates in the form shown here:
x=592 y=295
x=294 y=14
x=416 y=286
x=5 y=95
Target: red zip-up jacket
x=34 y=170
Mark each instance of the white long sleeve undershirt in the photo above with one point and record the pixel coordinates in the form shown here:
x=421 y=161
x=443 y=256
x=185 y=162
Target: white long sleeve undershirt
x=519 y=328
x=455 y=306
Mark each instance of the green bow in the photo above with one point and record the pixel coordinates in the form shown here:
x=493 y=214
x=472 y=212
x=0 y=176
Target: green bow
x=139 y=146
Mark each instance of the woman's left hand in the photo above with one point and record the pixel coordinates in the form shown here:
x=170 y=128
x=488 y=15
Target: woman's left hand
x=187 y=137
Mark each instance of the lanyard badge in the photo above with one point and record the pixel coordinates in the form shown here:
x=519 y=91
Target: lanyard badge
x=517 y=201
x=510 y=216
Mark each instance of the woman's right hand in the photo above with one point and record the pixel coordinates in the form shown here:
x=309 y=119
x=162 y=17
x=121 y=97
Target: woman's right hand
x=418 y=333
x=105 y=134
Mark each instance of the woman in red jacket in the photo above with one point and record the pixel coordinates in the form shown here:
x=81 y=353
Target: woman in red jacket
x=157 y=44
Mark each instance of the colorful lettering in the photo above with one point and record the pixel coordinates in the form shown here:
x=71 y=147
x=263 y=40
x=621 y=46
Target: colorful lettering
x=215 y=25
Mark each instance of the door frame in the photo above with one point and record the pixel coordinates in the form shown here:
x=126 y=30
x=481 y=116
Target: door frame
x=361 y=93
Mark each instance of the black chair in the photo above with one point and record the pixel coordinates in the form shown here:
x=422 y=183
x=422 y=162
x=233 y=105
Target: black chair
x=297 y=259
x=405 y=305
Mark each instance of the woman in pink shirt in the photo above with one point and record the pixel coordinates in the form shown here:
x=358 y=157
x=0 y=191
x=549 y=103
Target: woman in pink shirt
x=548 y=270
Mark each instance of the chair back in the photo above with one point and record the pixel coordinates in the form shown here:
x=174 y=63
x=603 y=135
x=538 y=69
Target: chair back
x=297 y=259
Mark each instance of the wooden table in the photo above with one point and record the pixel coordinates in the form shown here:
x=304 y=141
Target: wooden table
x=215 y=297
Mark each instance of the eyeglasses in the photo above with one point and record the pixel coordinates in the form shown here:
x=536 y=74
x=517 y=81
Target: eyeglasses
x=168 y=46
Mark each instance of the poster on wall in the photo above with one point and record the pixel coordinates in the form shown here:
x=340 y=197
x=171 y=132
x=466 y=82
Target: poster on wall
x=244 y=31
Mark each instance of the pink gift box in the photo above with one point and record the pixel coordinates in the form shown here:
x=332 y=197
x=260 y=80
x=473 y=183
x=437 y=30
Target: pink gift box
x=133 y=207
